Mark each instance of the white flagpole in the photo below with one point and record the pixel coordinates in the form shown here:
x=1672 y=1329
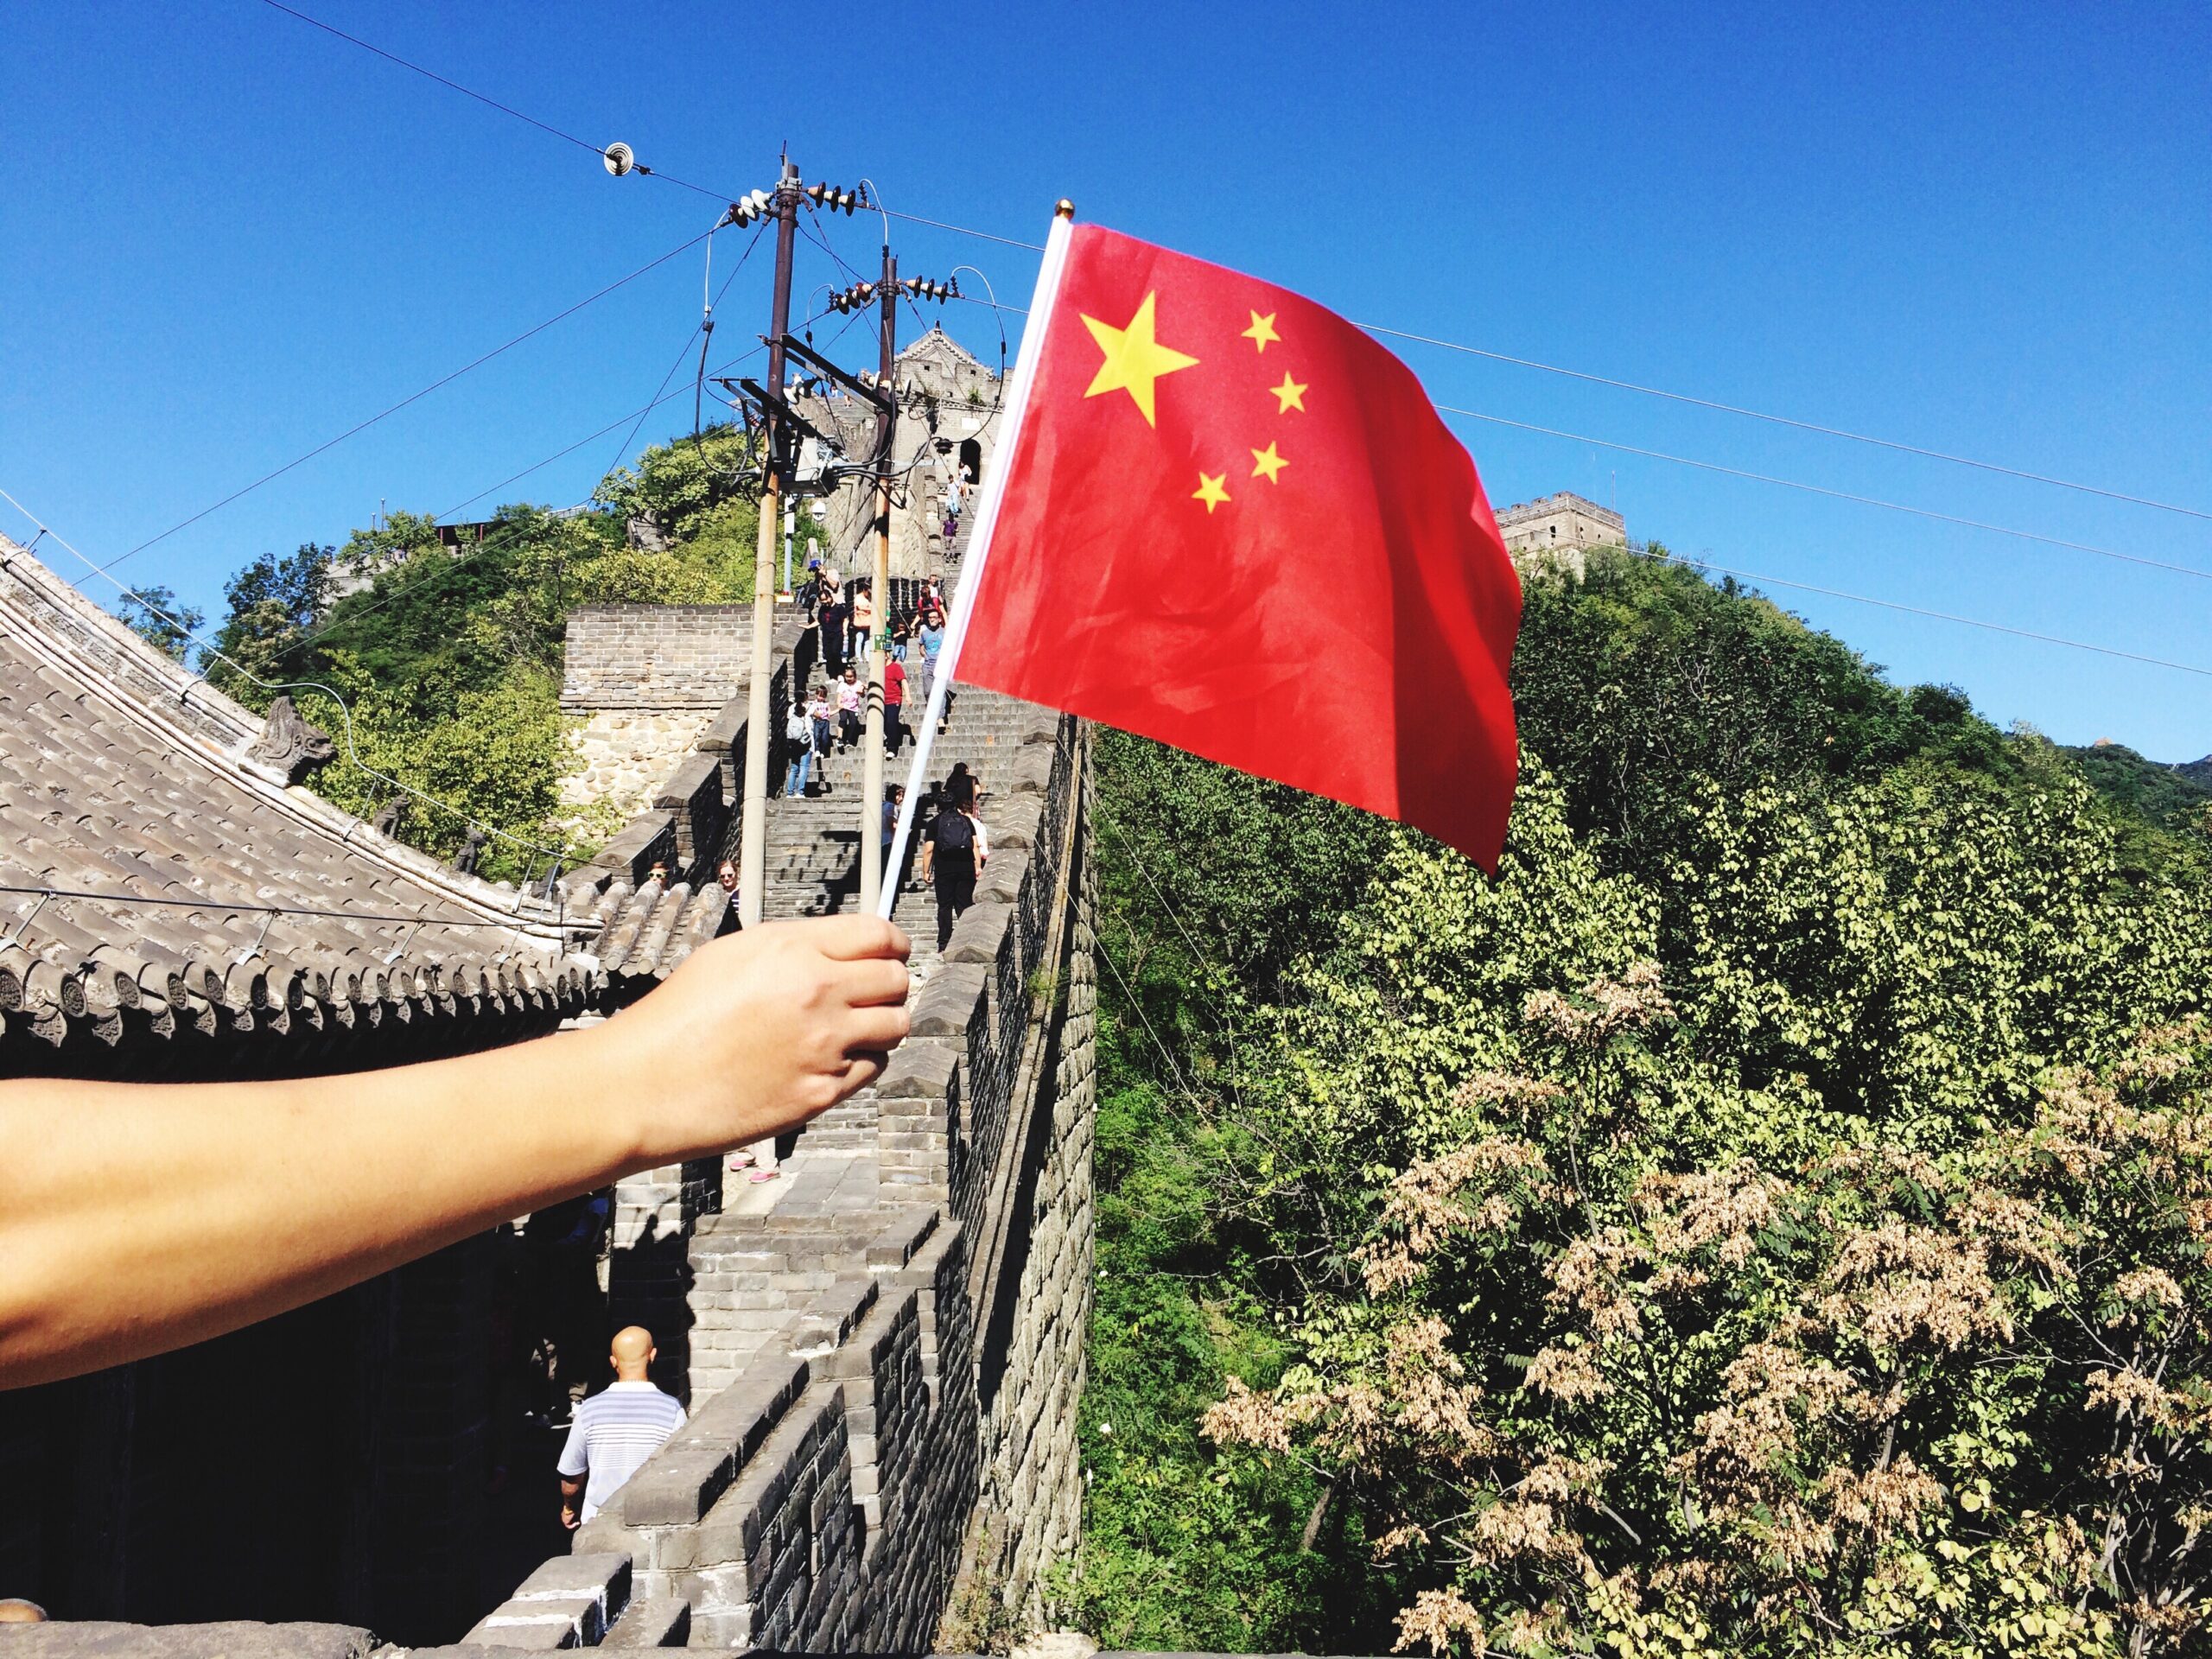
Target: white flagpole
x=979 y=539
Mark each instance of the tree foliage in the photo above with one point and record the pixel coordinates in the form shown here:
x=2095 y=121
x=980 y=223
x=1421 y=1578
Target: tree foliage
x=1770 y=1218
x=441 y=675
x=156 y=617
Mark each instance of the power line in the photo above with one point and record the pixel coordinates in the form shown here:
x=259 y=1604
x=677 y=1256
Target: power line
x=402 y=590
x=1376 y=328
x=1839 y=495
x=1785 y=420
x=412 y=397
x=353 y=754
x=1941 y=616
x=963 y=230
x=491 y=103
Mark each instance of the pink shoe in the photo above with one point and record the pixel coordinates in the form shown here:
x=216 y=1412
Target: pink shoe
x=740 y=1160
x=763 y=1174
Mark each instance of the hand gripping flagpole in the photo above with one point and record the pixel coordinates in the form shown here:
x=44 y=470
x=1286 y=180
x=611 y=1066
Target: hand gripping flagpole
x=979 y=539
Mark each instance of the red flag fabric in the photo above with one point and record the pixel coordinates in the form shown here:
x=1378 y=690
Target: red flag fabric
x=1231 y=521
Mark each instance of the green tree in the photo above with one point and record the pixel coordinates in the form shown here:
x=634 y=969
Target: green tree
x=155 y=616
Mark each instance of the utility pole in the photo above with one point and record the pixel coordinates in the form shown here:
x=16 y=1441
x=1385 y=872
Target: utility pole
x=873 y=874
x=752 y=833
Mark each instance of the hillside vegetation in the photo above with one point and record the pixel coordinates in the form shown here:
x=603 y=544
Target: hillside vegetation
x=450 y=659
x=1771 y=1218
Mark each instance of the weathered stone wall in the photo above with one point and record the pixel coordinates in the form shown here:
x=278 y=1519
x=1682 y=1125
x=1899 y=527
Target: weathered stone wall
x=660 y=656
x=622 y=755
x=1031 y=1510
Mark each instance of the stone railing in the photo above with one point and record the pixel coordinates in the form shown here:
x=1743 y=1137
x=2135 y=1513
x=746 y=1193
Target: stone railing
x=884 y=1366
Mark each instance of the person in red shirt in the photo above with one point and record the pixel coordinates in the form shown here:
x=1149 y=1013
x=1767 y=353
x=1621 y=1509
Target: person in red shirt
x=895 y=707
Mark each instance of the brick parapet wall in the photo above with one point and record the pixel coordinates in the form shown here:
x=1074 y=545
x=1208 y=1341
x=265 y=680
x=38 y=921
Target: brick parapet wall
x=661 y=657
x=814 y=1505
x=884 y=1367
x=683 y=769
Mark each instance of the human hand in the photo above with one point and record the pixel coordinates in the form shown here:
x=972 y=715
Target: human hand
x=760 y=1030
x=568 y=1517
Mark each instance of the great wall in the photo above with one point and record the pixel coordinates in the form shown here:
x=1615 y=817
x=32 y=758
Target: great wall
x=882 y=1351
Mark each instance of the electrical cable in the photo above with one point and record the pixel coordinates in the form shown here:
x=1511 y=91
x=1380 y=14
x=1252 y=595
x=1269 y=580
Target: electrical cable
x=1376 y=328
x=1785 y=420
x=1839 y=495
x=413 y=398
x=963 y=230
x=353 y=754
x=1916 y=610
x=493 y=103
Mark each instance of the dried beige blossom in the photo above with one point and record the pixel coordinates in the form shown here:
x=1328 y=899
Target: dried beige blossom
x=1569 y=1374
x=1438 y=1616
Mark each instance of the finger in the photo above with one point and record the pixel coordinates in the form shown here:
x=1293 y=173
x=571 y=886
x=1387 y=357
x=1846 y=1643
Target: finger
x=864 y=1069
x=863 y=984
x=876 y=1029
x=853 y=938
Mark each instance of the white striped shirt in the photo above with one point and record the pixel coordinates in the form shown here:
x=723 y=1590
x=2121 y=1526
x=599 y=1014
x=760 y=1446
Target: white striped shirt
x=613 y=1433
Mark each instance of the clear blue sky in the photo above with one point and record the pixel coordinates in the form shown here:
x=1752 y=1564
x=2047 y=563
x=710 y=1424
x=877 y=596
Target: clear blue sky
x=1984 y=229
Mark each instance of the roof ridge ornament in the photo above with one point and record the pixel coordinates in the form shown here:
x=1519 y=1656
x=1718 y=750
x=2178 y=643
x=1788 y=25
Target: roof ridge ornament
x=289 y=747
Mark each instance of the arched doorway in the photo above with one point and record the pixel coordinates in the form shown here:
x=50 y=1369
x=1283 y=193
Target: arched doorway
x=971 y=457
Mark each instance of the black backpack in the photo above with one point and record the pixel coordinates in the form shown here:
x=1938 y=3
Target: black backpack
x=954 y=832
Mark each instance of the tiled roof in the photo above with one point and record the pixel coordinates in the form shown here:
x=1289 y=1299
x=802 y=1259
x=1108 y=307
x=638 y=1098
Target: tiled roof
x=173 y=908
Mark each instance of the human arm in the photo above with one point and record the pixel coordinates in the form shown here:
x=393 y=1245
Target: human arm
x=575 y=1463
x=141 y=1217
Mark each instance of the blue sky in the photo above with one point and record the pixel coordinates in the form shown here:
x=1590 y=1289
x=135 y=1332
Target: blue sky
x=1979 y=229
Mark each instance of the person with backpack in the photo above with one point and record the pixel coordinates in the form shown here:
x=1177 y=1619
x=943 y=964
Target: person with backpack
x=950 y=856
x=799 y=734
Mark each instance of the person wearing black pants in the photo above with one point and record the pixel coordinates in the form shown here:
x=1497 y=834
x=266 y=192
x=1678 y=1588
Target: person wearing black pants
x=949 y=856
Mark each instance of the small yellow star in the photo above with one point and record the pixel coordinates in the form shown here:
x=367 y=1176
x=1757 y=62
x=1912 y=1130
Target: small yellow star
x=1210 y=490
x=1134 y=358
x=1292 y=396
x=1261 y=331
x=1266 y=463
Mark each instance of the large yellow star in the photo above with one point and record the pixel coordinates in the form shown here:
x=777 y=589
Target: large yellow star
x=1211 y=490
x=1266 y=463
x=1134 y=358
x=1261 y=331
x=1291 y=396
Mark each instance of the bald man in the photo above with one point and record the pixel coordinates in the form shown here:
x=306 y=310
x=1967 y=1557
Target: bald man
x=615 y=1431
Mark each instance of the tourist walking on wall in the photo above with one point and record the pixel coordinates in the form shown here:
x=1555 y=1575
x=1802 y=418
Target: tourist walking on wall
x=894 y=707
x=615 y=1431
x=725 y=879
x=818 y=715
x=931 y=639
x=863 y=622
x=950 y=856
x=799 y=734
x=849 y=704
x=834 y=614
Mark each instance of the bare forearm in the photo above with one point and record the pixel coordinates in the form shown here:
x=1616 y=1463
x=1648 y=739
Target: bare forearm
x=139 y=1217
x=172 y=1214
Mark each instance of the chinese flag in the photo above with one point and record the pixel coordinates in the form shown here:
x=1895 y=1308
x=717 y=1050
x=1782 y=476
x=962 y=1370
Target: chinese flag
x=1231 y=521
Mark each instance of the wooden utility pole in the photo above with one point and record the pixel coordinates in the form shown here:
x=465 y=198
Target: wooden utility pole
x=753 y=832
x=873 y=874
